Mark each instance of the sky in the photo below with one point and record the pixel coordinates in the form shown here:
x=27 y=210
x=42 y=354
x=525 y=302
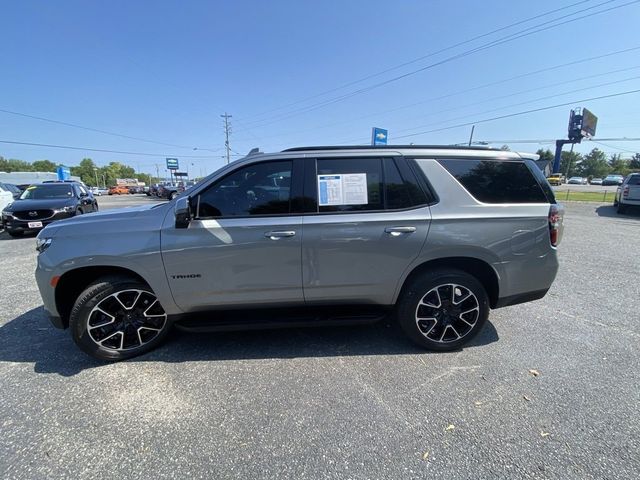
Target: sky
x=296 y=73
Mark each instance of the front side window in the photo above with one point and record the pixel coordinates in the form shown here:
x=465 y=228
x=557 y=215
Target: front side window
x=258 y=189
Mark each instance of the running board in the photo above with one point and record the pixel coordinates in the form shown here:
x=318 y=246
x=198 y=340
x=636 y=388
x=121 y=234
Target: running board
x=224 y=321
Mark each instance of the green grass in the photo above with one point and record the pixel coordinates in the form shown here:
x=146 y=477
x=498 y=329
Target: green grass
x=600 y=197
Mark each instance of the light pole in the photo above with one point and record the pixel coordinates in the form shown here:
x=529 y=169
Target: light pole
x=95 y=170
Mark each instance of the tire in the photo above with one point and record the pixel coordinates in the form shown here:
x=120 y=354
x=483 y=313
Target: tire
x=615 y=202
x=450 y=326
x=104 y=328
x=622 y=208
x=14 y=234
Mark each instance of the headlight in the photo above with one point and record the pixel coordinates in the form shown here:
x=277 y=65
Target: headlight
x=65 y=210
x=42 y=244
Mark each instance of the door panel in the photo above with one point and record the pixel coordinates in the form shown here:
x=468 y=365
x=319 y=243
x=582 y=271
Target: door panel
x=351 y=258
x=233 y=262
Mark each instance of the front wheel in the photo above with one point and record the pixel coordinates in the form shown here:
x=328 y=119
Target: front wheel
x=443 y=309
x=117 y=318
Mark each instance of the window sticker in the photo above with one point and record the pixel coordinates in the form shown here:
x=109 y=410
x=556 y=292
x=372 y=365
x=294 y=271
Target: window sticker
x=345 y=189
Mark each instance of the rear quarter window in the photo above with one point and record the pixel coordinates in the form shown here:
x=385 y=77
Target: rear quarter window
x=634 y=180
x=497 y=181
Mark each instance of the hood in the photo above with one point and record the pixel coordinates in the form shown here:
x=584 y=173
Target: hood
x=50 y=203
x=120 y=219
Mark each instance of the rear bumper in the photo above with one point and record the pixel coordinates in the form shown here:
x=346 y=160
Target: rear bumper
x=521 y=298
x=627 y=201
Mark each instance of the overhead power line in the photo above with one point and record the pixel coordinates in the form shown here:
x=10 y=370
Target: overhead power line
x=500 y=117
x=105 y=132
x=509 y=38
x=103 y=150
x=423 y=57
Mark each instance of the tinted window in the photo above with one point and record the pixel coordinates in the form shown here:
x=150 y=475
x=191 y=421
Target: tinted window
x=354 y=183
x=39 y=192
x=401 y=189
x=542 y=180
x=492 y=181
x=258 y=189
x=634 y=180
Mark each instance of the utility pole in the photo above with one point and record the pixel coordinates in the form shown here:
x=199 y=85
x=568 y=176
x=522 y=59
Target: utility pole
x=157 y=173
x=227 y=131
x=473 y=127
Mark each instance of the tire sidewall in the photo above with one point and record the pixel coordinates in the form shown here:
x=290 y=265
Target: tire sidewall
x=420 y=286
x=83 y=306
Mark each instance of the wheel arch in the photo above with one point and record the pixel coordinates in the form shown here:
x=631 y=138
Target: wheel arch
x=72 y=283
x=476 y=267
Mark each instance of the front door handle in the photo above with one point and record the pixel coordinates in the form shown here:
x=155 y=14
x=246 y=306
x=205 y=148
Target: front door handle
x=397 y=231
x=281 y=234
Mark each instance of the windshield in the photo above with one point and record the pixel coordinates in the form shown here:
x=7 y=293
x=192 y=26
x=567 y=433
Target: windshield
x=40 y=192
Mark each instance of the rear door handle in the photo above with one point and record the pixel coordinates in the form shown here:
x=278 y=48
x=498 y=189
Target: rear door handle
x=281 y=234
x=396 y=231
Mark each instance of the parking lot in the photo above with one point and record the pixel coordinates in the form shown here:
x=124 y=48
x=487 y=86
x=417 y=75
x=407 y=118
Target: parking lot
x=549 y=389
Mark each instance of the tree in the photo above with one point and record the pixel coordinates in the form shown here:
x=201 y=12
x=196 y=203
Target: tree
x=634 y=163
x=569 y=162
x=594 y=164
x=13 y=165
x=43 y=166
x=618 y=164
x=546 y=155
x=86 y=171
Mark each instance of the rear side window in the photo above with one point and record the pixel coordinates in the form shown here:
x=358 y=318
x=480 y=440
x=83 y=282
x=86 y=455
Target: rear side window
x=634 y=180
x=347 y=185
x=493 y=181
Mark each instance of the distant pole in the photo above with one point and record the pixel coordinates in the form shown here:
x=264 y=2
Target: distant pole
x=95 y=170
x=157 y=173
x=473 y=127
x=227 y=131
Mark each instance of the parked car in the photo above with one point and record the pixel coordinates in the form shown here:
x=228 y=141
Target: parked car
x=14 y=189
x=596 y=181
x=118 y=190
x=628 y=194
x=434 y=236
x=98 y=191
x=556 y=179
x=43 y=203
x=170 y=190
x=6 y=197
x=613 y=180
x=577 y=181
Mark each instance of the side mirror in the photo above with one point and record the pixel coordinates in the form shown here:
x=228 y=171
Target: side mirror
x=182 y=212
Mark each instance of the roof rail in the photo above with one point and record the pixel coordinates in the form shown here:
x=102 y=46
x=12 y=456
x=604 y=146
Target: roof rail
x=385 y=147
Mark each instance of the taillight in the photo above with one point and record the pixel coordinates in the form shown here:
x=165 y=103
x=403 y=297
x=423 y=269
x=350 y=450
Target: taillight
x=625 y=192
x=555 y=224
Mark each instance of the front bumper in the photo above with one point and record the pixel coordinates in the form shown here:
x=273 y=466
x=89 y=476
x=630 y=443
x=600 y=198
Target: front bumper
x=14 y=224
x=44 y=274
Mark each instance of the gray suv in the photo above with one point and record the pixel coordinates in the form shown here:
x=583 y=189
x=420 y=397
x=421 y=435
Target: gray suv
x=435 y=236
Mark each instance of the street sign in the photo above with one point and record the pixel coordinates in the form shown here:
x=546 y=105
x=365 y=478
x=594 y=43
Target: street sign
x=180 y=174
x=379 y=136
x=589 y=122
x=64 y=173
x=172 y=164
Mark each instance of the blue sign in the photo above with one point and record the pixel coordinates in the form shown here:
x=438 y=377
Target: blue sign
x=64 y=173
x=172 y=164
x=379 y=136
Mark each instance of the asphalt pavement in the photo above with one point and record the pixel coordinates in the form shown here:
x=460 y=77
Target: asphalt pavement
x=549 y=389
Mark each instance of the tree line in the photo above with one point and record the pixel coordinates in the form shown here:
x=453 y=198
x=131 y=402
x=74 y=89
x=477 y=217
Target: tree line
x=595 y=164
x=87 y=170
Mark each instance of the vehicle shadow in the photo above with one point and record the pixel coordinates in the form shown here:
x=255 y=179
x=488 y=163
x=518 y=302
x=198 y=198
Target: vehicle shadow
x=611 y=211
x=30 y=338
x=5 y=236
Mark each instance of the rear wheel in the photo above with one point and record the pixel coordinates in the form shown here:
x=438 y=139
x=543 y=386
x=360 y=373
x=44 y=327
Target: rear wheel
x=621 y=208
x=443 y=309
x=117 y=318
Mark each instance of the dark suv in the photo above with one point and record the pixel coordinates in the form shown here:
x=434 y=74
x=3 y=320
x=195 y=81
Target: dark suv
x=43 y=203
x=435 y=236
